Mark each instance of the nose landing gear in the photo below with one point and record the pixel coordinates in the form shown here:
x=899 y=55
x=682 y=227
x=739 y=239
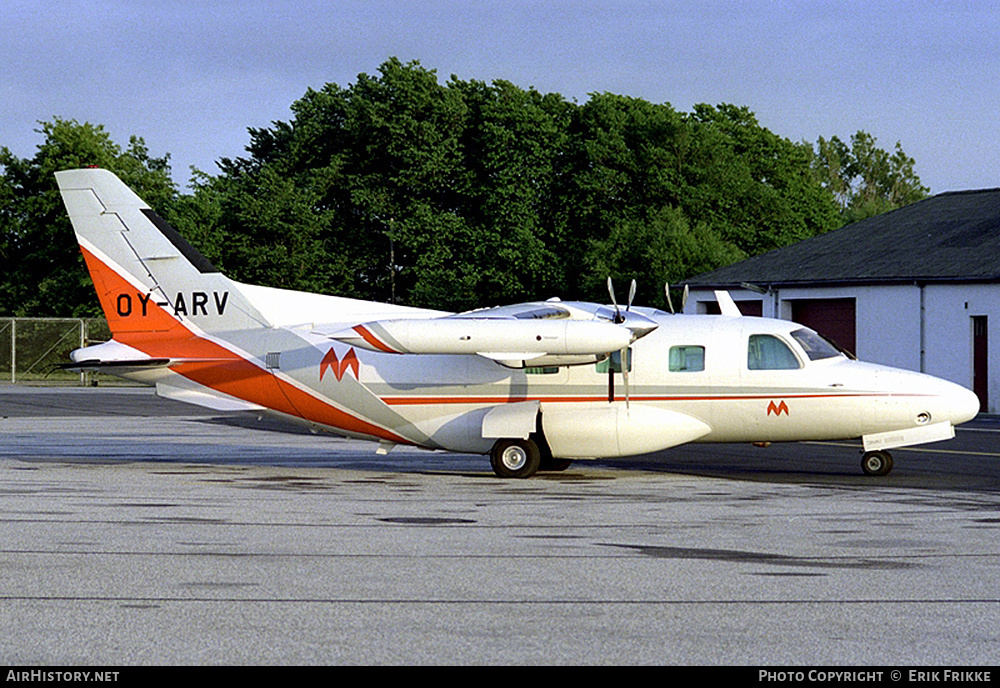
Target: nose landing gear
x=876 y=463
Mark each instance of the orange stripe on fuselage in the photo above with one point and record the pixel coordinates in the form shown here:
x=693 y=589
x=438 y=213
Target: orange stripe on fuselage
x=158 y=334
x=424 y=400
x=367 y=335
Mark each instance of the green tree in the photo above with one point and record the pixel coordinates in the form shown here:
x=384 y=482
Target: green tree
x=42 y=269
x=706 y=188
x=625 y=170
x=661 y=248
x=866 y=180
x=422 y=193
x=369 y=180
x=755 y=189
x=512 y=149
x=461 y=194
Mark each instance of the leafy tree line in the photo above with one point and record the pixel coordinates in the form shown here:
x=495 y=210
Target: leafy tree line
x=460 y=194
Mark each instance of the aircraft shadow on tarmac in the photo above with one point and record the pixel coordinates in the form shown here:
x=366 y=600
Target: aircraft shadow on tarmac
x=963 y=464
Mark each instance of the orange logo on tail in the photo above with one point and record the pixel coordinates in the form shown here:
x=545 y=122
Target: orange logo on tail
x=777 y=409
x=339 y=367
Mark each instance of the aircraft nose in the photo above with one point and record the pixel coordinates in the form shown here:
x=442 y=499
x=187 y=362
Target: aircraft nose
x=963 y=404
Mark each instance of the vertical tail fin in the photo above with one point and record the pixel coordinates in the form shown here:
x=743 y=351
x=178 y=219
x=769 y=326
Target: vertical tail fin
x=148 y=278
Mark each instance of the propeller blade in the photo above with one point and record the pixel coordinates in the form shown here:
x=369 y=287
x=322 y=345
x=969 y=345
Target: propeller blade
x=625 y=367
x=631 y=295
x=614 y=301
x=611 y=379
x=670 y=303
x=684 y=297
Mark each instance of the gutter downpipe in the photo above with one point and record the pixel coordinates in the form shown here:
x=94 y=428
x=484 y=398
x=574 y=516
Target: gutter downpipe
x=923 y=328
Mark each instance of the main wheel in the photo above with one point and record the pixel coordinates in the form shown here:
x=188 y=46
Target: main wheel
x=551 y=464
x=515 y=458
x=876 y=463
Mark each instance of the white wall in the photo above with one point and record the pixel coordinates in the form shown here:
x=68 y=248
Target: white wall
x=949 y=310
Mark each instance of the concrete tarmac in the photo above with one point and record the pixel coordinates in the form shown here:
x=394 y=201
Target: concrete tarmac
x=139 y=531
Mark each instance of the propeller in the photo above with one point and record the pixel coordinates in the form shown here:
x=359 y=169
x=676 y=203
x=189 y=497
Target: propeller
x=614 y=302
x=619 y=319
x=670 y=303
x=624 y=354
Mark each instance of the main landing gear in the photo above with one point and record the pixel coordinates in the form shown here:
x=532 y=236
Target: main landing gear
x=517 y=458
x=876 y=463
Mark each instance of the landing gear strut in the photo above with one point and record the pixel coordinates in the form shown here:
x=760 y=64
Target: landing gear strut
x=876 y=463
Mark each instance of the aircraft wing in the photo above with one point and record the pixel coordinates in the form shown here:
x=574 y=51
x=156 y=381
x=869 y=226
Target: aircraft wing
x=521 y=332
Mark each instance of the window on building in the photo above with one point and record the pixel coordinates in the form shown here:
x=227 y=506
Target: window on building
x=767 y=352
x=686 y=359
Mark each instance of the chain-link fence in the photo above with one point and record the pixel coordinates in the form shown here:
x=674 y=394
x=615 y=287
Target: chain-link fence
x=31 y=349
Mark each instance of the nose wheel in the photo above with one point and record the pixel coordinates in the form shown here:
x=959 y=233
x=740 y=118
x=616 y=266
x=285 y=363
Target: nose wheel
x=876 y=463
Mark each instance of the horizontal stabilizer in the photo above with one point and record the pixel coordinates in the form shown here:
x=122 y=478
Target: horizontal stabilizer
x=116 y=358
x=113 y=367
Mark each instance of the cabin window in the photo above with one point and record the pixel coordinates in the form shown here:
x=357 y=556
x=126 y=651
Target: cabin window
x=687 y=359
x=613 y=363
x=816 y=347
x=767 y=352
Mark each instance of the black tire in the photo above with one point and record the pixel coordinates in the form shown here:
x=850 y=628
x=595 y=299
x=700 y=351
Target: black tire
x=548 y=462
x=876 y=463
x=551 y=464
x=515 y=458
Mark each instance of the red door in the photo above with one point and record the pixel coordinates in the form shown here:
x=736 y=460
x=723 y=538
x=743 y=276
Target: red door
x=980 y=367
x=833 y=318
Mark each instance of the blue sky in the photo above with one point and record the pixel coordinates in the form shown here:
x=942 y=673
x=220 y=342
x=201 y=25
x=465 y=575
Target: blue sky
x=191 y=76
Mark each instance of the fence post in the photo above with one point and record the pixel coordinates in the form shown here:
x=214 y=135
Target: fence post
x=13 y=351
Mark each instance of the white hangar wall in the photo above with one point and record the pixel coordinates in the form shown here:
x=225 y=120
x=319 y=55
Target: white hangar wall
x=923 y=328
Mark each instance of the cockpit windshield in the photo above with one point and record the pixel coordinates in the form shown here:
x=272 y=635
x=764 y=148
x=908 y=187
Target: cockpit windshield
x=816 y=347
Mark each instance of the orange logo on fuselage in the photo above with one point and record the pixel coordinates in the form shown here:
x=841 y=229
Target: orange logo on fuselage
x=777 y=409
x=338 y=366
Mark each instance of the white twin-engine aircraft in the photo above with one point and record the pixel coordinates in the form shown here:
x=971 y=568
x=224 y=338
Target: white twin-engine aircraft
x=534 y=385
